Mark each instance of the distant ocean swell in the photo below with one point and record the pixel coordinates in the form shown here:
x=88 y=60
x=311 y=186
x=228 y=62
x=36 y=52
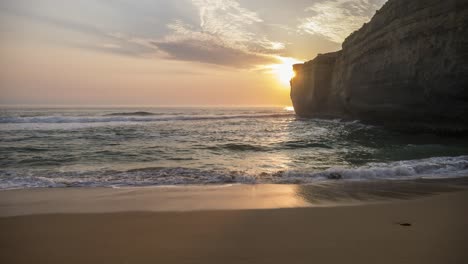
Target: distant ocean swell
x=131 y=117
x=438 y=167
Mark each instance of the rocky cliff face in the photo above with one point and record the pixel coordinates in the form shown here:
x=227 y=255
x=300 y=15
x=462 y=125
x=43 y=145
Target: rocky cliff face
x=407 y=66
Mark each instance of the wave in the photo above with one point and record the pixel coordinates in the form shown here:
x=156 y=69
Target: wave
x=437 y=167
x=238 y=147
x=432 y=168
x=299 y=144
x=263 y=148
x=141 y=113
x=120 y=118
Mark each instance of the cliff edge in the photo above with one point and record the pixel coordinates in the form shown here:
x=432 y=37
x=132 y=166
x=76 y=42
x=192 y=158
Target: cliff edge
x=407 y=67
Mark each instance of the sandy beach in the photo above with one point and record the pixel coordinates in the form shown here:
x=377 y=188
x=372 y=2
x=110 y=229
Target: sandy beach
x=425 y=229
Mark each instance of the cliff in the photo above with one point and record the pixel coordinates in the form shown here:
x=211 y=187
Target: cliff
x=407 y=67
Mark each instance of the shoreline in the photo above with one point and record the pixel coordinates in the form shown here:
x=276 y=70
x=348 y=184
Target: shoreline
x=429 y=229
x=218 y=197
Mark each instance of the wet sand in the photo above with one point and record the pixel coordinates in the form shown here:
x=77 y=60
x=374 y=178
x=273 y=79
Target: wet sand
x=66 y=226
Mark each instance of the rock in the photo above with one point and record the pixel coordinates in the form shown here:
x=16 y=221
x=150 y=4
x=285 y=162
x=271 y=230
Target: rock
x=335 y=176
x=405 y=224
x=407 y=67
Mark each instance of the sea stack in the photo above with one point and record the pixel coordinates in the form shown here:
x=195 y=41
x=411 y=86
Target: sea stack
x=407 y=67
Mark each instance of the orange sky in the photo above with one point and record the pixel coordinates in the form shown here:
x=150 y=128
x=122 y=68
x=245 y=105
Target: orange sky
x=184 y=52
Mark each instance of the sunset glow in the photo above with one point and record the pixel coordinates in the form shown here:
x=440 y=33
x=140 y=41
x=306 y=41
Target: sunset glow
x=284 y=71
x=162 y=52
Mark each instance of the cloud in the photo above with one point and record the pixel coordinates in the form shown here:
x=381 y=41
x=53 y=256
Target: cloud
x=336 y=19
x=227 y=34
x=237 y=33
x=227 y=20
x=206 y=52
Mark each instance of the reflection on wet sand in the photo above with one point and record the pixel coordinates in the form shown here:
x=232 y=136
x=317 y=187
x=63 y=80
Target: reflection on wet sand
x=345 y=192
x=227 y=197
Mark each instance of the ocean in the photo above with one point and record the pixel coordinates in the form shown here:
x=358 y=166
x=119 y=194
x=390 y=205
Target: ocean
x=163 y=146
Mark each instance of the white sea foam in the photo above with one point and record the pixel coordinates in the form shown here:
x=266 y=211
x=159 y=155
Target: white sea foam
x=438 y=167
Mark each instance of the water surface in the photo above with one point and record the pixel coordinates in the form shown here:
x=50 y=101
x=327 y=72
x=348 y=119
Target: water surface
x=59 y=147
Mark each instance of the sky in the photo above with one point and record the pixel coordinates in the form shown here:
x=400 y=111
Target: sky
x=165 y=52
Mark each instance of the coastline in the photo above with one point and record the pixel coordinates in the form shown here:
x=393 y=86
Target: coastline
x=285 y=230
x=33 y=201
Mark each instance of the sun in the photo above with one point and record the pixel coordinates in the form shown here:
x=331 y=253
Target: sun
x=284 y=71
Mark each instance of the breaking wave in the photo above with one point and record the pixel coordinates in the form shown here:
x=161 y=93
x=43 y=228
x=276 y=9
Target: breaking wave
x=431 y=168
x=141 y=113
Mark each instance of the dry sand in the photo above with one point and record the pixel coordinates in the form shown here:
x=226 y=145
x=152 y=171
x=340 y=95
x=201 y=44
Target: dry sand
x=364 y=233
